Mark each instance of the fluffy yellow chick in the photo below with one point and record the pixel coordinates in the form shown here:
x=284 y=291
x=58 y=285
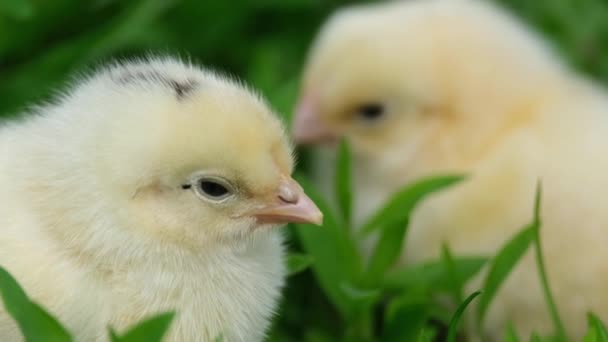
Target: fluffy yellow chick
x=439 y=86
x=150 y=186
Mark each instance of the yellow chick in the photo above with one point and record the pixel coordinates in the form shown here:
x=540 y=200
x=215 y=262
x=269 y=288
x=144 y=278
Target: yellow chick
x=150 y=186
x=431 y=87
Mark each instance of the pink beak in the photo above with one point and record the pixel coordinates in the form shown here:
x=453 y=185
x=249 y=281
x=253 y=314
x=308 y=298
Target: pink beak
x=307 y=127
x=291 y=205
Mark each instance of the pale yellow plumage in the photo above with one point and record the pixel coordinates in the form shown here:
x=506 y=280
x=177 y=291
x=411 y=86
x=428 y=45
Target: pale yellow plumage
x=149 y=186
x=464 y=87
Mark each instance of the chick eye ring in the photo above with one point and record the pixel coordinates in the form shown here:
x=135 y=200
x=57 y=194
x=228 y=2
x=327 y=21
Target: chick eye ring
x=210 y=188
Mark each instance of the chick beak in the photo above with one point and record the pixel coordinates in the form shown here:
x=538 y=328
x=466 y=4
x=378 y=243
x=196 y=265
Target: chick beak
x=289 y=205
x=308 y=127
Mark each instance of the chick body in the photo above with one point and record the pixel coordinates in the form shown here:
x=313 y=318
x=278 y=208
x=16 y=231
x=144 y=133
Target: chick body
x=465 y=88
x=99 y=223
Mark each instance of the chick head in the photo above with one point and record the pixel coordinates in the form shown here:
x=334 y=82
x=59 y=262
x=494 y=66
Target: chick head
x=427 y=83
x=188 y=155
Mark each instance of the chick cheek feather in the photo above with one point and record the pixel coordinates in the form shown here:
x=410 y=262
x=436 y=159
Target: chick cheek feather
x=288 y=205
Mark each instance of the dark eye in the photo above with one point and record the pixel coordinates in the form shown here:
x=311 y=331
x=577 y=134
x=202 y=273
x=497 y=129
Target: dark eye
x=370 y=111
x=212 y=188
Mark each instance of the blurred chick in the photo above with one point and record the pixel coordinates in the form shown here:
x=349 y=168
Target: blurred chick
x=432 y=87
x=150 y=186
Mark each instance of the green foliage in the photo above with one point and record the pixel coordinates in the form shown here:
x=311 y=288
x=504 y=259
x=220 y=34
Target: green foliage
x=392 y=221
x=356 y=291
x=37 y=325
x=343 y=182
x=50 y=41
x=511 y=335
x=403 y=202
x=434 y=275
x=427 y=334
x=17 y=9
x=297 y=262
x=387 y=249
x=578 y=29
x=506 y=259
x=412 y=291
x=597 y=330
x=502 y=265
x=406 y=318
x=455 y=283
x=455 y=322
x=264 y=42
x=560 y=331
x=335 y=252
x=150 y=330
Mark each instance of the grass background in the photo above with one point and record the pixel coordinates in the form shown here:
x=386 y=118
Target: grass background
x=264 y=42
x=43 y=43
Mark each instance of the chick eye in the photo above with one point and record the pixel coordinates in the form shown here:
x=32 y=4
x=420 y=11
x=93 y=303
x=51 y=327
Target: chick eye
x=370 y=111
x=211 y=188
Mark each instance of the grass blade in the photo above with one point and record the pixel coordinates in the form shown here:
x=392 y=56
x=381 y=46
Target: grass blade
x=511 y=335
x=336 y=257
x=595 y=324
x=557 y=322
x=297 y=263
x=502 y=265
x=403 y=202
x=344 y=182
x=34 y=322
x=387 y=250
x=362 y=298
x=405 y=319
x=427 y=334
x=455 y=283
x=591 y=335
x=150 y=330
x=455 y=322
x=433 y=275
x=535 y=337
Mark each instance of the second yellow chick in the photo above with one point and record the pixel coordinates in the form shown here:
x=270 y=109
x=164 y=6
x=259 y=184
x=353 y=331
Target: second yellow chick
x=432 y=87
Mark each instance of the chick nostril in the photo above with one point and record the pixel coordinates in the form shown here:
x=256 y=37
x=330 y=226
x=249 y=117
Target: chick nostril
x=288 y=195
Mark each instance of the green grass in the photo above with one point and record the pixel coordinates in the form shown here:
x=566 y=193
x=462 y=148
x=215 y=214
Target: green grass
x=37 y=325
x=376 y=301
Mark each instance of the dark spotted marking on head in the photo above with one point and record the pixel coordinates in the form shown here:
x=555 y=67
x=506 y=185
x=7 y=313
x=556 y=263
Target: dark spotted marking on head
x=181 y=88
